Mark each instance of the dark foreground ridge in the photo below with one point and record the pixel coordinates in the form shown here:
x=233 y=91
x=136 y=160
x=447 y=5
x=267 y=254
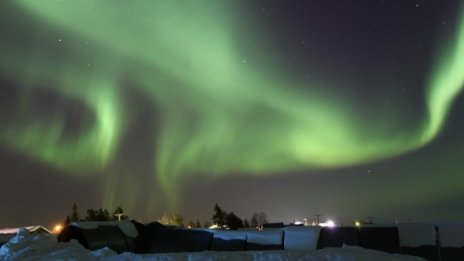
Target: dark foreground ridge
x=432 y=242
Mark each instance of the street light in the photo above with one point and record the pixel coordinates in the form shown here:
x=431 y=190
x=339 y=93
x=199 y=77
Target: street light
x=57 y=228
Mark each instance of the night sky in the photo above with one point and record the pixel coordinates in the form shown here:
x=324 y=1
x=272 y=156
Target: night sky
x=347 y=109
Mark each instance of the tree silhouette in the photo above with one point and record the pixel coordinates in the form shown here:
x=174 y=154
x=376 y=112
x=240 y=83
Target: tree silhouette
x=222 y=218
x=98 y=215
x=74 y=217
x=75 y=213
x=246 y=223
x=118 y=214
x=67 y=220
x=219 y=216
x=233 y=221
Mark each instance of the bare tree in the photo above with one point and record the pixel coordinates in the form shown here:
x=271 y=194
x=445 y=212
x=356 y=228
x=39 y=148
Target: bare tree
x=171 y=219
x=258 y=219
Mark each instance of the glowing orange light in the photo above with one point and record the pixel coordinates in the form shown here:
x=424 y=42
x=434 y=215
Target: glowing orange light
x=57 y=228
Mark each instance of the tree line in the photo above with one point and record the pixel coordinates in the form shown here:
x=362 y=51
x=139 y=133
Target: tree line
x=224 y=219
x=101 y=214
x=221 y=219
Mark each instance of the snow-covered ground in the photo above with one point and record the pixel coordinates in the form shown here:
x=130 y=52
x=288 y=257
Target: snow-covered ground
x=329 y=254
x=27 y=246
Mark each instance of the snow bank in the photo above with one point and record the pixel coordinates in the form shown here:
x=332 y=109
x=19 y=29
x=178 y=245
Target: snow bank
x=327 y=254
x=301 y=238
x=26 y=246
x=228 y=241
x=257 y=240
x=229 y=235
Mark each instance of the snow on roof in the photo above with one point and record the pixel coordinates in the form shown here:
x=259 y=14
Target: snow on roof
x=31 y=229
x=127 y=227
x=27 y=246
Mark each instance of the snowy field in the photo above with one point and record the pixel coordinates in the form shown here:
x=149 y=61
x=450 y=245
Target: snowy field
x=26 y=246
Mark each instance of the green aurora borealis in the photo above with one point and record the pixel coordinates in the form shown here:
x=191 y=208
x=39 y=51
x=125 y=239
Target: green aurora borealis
x=221 y=102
